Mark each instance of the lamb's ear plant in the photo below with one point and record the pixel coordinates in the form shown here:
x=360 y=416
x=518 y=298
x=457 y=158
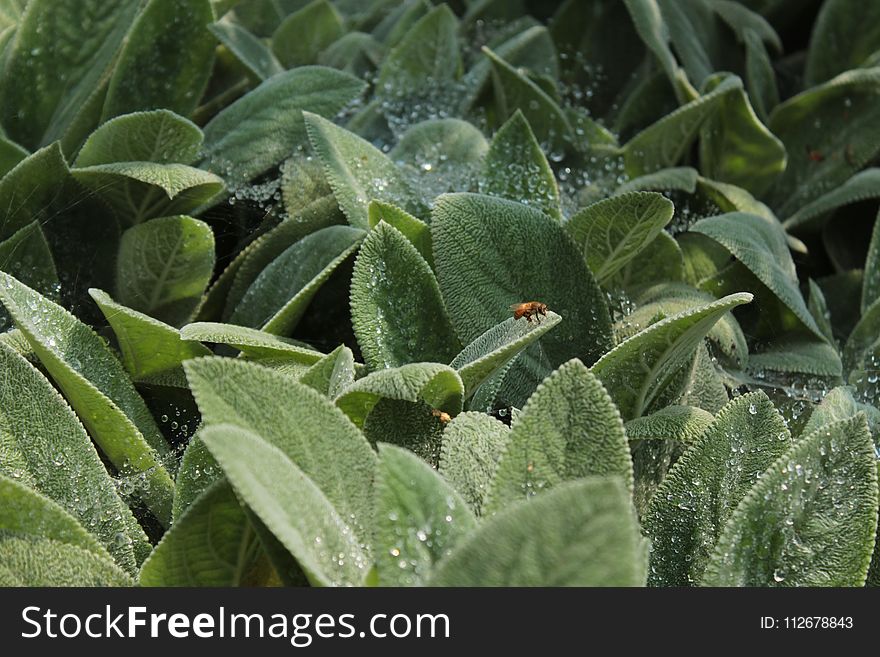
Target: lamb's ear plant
x=416 y=294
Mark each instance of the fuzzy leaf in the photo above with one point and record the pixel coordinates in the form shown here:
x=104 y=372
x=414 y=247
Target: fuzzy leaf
x=614 y=231
x=249 y=50
x=813 y=216
x=149 y=347
x=582 y=533
x=296 y=419
x=251 y=342
x=642 y=372
x=435 y=384
x=159 y=136
x=810 y=520
x=279 y=296
x=298 y=514
x=259 y=130
x=415 y=230
x=30 y=561
x=357 y=171
x=675 y=178
x=43 y=445
x=491 y=253
x=517 y=169
x=29 y=191
x=569 y=429
x=305 y=33
x=397 y=312
x=212 y=544
x=760 y=245
x=845 y=34
x=497 y=347
x=472 y=445
x=332 y=374
x=420 y=518
x=871 y=282
x=164 y=267
x=704 y=487
x=26 y=255
x=97 y=387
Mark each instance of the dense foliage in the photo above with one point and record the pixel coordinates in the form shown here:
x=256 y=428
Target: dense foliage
x=258 y=261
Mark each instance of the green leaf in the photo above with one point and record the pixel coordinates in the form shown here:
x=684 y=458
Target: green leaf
x=682 y=423
x=357 y=171
x=29 y=192
x=665 y=142
x=582 y=533
x=497 y=347
x=415 y=230
x=760 y=76
x=517 y=169
x=26 y=512
x=815 y=214
x=58 y=62
x=810 y=520
x=472 y=445
x=437 y=385
x=10 y=155
x=27 y=256
x=514 y=91
x=173 y=36
x=569 y=429
x=643 y=372
x=296 y=419
x=397 y=312
x=491 y=253
x=798 y=354
x=43 y=445
x=845 y=34
x=98 y=388
x=838 y=404
x=420 y=518
x=661 y=261
x=441 y=155
x=142 y=190
x=45 y=562
x=871 y=283
x=251 y=342
x=150 y=349
x=164 y=266
x=735 y=147
x=211 y=544
x=197 y=471
x=247 y=48
x=612 y=232
x=298 y=514
x=160 y=136
x=819 y=310
x=760 y=245
x=673 y=179
x=278 y=298
x=259 y=130
x=306 y=32
x=822 y=159
x=686 y=515
x=332 y=374
x=356 y=53
x=424 y=60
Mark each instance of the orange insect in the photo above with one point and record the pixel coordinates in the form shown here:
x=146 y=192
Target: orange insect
x=441 y=415
x=529 y=309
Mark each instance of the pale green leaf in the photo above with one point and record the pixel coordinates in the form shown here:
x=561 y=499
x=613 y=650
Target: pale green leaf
x=251 y=342
x=643 y=372
x=420 y=518
x=665 y=180
x=164 y=266
x=472 y=444
x=612 y=232
x=397 y=312
x=583 y=533
x=871 y=282
x=810 y=520
x=297 y=513
x=278 y=298
x=357 y=171
x=97 y=386
x=437 y=385
x=306 y=32
x=686 y=515
x=159 y=136
x=333 y=373
x=31 y=562
x=569 y=429
x=298 y=420
x=259 y=130
x=249 y=50
x=173 y=37
x=517 y=169
x=415 y=230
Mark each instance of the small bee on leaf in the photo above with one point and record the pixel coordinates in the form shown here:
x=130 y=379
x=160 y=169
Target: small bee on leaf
x=529 y=309
x=441 y=415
